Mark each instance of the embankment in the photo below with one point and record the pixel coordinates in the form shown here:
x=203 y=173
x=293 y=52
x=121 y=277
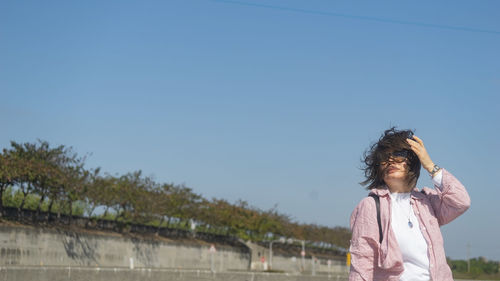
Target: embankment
x=38 y=253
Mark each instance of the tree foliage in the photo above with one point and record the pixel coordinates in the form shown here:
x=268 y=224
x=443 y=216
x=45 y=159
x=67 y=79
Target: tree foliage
x=477 y=266
x=54 y=179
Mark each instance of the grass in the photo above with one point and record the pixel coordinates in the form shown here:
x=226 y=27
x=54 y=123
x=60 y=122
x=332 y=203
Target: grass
x=471 y=276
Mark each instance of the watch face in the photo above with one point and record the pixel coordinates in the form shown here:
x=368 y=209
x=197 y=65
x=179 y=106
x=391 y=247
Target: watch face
x=435 y=169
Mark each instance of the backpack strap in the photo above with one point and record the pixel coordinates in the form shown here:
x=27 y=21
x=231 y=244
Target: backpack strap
x=377 y=202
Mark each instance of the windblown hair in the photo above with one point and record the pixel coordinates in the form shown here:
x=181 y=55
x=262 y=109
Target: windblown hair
x=392 y=140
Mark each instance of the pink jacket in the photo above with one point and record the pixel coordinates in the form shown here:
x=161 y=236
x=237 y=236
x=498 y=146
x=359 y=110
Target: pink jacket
x=371 y=260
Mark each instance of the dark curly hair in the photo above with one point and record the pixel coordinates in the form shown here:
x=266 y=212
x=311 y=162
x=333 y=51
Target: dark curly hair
x=392 y=140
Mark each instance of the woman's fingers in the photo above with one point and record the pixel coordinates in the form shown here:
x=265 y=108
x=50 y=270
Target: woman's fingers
x=417 y=145
x=417 y=139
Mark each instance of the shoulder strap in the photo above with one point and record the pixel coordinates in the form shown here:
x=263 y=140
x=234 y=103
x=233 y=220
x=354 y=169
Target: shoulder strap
x=377 y=202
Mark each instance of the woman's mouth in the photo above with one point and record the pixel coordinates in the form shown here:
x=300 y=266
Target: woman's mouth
x=390 y=170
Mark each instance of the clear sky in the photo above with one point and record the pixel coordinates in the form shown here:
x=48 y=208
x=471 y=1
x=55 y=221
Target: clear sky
x=272 y=102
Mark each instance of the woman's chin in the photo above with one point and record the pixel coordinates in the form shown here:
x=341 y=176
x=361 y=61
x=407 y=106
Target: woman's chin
x=395 y=176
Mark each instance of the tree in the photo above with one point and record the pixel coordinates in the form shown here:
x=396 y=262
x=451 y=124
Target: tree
x=7 y=175
x=39 y=175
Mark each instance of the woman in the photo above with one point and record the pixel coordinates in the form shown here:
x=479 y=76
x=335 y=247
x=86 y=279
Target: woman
x=411 y=246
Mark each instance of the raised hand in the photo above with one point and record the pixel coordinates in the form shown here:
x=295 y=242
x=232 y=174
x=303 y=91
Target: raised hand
x=417 y=145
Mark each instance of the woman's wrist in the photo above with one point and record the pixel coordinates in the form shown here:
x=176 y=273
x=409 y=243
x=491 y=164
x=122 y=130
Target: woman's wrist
x=429 y=167
x=434 y=170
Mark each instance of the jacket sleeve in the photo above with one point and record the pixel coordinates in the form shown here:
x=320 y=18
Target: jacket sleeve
x=449 y=200
x=364 y=242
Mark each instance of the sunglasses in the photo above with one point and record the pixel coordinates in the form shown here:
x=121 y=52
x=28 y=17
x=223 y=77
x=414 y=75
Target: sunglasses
x=396 y=157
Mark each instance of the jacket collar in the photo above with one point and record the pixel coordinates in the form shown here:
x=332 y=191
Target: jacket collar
x=384 y=191
x=380 y=191
x=417 y=194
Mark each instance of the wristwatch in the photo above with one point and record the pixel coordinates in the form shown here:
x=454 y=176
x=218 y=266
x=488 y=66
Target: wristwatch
x=434 y=170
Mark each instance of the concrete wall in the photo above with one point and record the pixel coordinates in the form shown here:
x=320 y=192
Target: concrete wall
x=16 y=273
x=29 y=253
x=27 y=246
x=293 y=264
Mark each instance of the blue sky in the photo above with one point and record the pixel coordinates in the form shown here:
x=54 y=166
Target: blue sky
x=272 y=102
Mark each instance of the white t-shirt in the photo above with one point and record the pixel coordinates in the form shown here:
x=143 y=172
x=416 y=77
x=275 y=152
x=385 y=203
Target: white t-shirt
x=410 y=239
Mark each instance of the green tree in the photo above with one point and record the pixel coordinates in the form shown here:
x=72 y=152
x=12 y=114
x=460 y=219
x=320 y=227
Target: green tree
x=7 y=176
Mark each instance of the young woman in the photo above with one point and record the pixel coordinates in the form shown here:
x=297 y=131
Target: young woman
x=411 y=246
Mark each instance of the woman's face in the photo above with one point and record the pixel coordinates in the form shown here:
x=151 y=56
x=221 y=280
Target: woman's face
x=395 y=169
